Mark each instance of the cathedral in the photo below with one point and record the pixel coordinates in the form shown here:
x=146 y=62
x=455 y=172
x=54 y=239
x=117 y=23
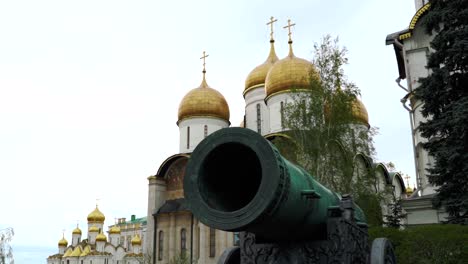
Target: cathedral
x=412 y=46
x=124 y=246
x=172 y=231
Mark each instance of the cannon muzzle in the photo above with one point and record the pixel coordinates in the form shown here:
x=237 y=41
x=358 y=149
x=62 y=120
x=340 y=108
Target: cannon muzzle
x=236 y=180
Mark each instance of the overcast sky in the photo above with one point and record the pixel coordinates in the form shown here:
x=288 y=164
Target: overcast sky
x=89 y=92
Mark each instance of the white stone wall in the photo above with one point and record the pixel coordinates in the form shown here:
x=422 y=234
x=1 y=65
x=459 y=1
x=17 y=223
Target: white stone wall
x=197 y=131
x=156 y=198
x=274 y=109
x=253 y=98
x=416 y=50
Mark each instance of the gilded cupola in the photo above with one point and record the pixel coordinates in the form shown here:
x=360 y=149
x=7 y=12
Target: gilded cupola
x=114 y=230
x=63 y=242
x=136 y=240
x=203 y=101
x=76 y=231
x=290 y=74
x=359 y=112
x=93 y=229
x=101 y=237
x=258 y=75
x=96 y=216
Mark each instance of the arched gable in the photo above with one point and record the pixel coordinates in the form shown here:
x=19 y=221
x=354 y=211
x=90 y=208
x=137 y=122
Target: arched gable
x=409 y=33
x=162 y=171
x=398 y=183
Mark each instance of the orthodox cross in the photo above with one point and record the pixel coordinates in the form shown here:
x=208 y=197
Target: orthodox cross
x=272 y=20
x=407 y=177
x=63 y=233
x=97 y=202
x=289 y=29
x=204 y=60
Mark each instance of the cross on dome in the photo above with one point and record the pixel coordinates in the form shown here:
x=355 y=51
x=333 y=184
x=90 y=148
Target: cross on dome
x=204 y=61
x=289 y=26
x=272 y=20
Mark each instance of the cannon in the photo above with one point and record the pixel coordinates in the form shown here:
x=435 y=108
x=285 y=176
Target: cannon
x=238 y=181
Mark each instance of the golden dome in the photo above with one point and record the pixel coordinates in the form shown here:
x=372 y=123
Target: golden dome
x=136 y=240
x=76 y=231
x=96 y=216
x=63 y=242
x=258 y=75
x=101 y=237
x=114 y=230
x=409 y=190
x=360 y=112
x=93 y=229
x=290 y=73
x=203 y=102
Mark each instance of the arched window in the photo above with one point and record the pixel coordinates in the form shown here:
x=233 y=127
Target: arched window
x=282 y=114
x=205 y=132
x=188 y=137
x=259 y=119
x=212 y=242
x=183 y=240
x=160 y=245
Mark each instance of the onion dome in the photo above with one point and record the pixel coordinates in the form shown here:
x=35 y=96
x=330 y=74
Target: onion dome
x=114 y=230
x=93 y=229
x=96 y=216
x=258 y=75
x=289 y=74
x=203 y=102
x=359 y=112
x=76 y=231
x=101 y=237
x=409 y=190
x=63 y=242
x=136 y=240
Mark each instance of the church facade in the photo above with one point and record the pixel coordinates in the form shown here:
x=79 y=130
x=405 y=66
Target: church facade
x=172 y=230
x=412 y=46
x=123 y=245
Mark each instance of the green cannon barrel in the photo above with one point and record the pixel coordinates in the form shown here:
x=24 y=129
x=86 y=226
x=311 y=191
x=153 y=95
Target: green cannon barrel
x=236 y=180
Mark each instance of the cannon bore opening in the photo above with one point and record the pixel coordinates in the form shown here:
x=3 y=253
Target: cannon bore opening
x=230 y=177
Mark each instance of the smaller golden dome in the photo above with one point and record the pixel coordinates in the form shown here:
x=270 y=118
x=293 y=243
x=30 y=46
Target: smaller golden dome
x=409 y=190
x=96 y=216
x=76 y=231
x=258 y=75
x=101 y=237
x=360 y=112
x=63 y=242
x=93 y=229
x=203 y=102
x=136 y=240
x=114 y=230
x=289 y=74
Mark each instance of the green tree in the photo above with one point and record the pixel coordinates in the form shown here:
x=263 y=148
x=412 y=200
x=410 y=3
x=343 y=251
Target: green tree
x=322 y=122
x=6 y=252
x=445 y=96
x=325 y=124
x=393 y=219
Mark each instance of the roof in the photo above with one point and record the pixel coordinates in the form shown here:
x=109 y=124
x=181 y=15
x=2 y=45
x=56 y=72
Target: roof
x=176 y=205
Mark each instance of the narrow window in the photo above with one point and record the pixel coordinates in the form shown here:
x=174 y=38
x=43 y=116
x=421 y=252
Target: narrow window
x=282 y=115
x=160 y=245
x=236 y=240
x=259 y=119
x=212 y=242
x=183 y=241
x=188 y=137
x=205 y=132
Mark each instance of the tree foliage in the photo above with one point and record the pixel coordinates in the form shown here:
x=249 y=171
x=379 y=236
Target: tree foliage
x=6 y=252
x=395 y=216
x=323 y=124
x=445 y=96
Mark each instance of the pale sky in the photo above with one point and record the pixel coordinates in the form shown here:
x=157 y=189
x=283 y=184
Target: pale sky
x=89 y=92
